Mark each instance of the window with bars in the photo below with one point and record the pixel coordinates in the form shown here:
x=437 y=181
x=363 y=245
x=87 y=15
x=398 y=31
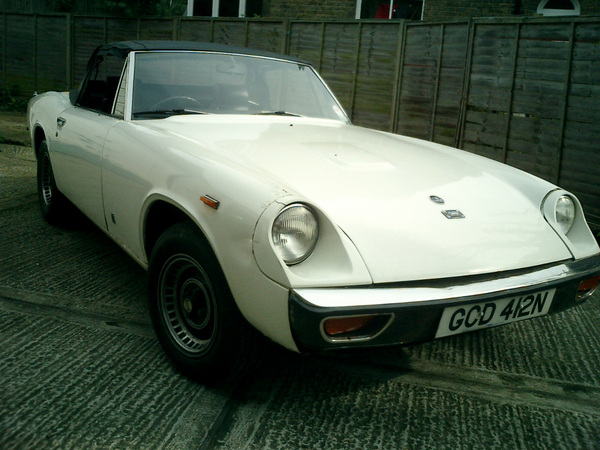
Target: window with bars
x=224 y=8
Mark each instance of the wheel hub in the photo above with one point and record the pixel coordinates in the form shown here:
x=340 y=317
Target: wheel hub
x=187 y=303
x=195 y=304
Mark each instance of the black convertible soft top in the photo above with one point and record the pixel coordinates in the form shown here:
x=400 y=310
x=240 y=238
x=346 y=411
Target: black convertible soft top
x=124 y=47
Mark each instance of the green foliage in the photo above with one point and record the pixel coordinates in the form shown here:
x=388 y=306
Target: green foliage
x=170 y=8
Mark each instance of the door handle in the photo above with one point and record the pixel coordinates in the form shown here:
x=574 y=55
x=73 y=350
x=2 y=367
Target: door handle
x=61 y=121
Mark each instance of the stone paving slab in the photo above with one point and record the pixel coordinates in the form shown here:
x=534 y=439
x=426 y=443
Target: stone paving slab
x=66 y=385
x=311 y=404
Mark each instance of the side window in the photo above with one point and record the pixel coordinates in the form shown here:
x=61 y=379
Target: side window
x=119 y=109
x=101 y=85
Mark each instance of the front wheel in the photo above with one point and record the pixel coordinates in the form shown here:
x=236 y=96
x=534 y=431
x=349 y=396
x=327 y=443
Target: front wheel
x=53 y=205
x=195 y=317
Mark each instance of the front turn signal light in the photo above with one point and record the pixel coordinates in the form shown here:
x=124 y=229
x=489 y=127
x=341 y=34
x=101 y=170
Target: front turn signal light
x=343 y=325
x=355 y=328
x=587 y=287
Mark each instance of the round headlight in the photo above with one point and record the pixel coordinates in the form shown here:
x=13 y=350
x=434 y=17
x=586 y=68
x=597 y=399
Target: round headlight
x=295 y=233
x=564 y=213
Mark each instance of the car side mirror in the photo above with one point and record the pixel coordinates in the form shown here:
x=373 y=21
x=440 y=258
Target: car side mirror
x=73 y=94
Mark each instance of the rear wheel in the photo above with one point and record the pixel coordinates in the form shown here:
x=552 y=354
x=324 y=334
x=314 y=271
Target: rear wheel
x=195 y=317
x=52 y=203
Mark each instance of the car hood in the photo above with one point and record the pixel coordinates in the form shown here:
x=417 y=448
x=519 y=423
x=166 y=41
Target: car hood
x=384 y=190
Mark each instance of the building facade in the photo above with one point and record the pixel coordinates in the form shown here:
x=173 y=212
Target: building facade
x=428 y=10
x=435 y=10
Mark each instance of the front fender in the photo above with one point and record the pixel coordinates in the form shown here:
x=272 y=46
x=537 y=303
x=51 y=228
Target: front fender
x=334 y=262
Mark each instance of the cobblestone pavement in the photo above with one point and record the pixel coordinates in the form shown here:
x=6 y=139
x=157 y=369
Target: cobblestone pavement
x=80 y=366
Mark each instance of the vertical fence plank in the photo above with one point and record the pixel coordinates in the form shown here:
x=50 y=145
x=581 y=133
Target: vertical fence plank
x=84 y=35
x=285 y=37
x=321 y=46
x=305 y=41
x=229 y=31
x=122 y=29
x=35 y=52
x=490 y=82
x=69 y=52
x=580 y=158
x=19 y=54
x=397 y=86
x=565 y=100
x=193 y=29
x=538 y=94
x=356 y=65
x=512 y=91
x=419 y=71
x=436 y=86
x=449 y=93
x=267 y=35
x=51 y=66
x=339 y=60
x=374 y=79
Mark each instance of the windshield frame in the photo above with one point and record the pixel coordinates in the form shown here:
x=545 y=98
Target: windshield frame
x=131 y=77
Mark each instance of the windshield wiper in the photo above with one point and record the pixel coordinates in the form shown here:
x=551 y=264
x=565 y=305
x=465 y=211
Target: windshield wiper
x=277 y=113
x=167 y=112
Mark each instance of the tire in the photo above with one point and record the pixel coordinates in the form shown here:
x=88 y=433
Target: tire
x=53 y=204
x=194 y=315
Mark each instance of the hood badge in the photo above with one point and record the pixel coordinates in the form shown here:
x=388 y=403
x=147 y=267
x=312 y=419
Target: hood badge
x=448 y=213
x=453 y=214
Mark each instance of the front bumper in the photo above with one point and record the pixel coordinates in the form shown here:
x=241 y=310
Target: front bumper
x=412 y=311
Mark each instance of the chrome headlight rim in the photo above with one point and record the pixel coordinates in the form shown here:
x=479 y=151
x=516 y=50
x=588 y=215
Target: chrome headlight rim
x=295 y=252
x=564 y=213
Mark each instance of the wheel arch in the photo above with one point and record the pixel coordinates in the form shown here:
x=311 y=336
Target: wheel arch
x=39 y=135
x=261 y=301
x=160 y=215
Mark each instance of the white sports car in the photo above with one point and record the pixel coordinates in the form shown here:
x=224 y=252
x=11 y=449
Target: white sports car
x=235 y=177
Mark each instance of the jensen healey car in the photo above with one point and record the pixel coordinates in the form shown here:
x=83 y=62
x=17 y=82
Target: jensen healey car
x=236 y=179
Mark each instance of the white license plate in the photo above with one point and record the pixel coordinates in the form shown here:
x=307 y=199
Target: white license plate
x=460 y=319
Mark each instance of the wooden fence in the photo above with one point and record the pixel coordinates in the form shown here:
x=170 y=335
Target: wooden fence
x=522 y=91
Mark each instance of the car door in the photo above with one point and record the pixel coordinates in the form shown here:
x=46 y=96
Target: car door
x=125 y=168
x=80 y=136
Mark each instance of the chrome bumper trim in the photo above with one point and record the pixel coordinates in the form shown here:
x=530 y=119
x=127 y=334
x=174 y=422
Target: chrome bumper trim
x=416 y=308
x=447 y=289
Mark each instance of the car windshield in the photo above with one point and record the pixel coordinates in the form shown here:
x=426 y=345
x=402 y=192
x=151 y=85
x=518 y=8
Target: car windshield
x=175 y=83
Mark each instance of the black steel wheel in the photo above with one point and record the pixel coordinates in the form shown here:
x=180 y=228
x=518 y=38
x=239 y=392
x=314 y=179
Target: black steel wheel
x=193 y=312
x=187 y=304
x=52 y=203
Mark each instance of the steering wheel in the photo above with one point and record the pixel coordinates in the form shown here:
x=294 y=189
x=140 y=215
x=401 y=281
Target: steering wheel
x=179 y=102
